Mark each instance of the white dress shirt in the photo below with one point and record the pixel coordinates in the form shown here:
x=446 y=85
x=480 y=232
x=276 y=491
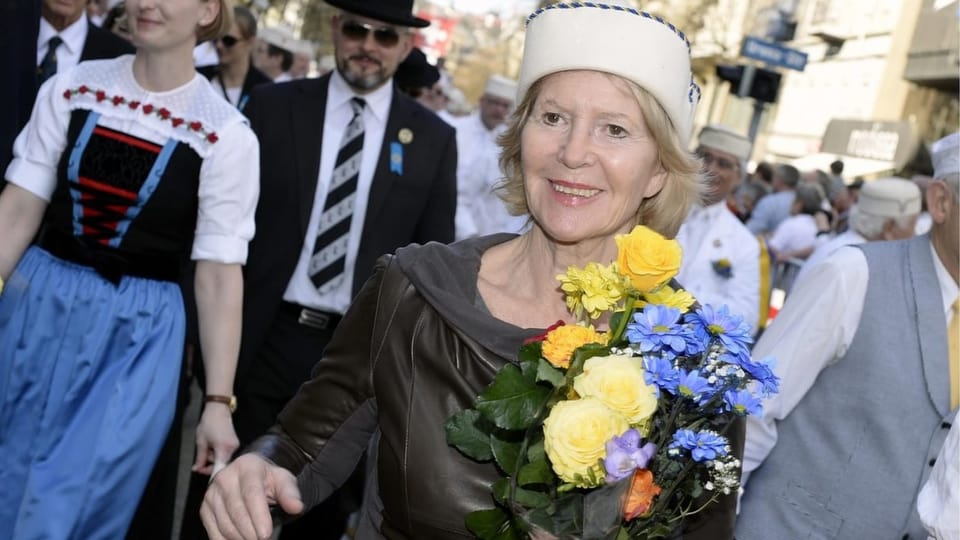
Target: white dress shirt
x=849 y=237
x=708 y=235
x=804 y=341
x=479 y=210
x=939 y=500
x=794 y=233
x=73 y=36
x=337 y=115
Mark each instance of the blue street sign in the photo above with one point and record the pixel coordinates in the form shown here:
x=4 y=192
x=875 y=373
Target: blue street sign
x=773 y=53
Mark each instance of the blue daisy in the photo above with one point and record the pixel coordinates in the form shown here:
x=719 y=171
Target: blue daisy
x=657 y=329
x=703 y=445
x=742 y=402
x=732 y=332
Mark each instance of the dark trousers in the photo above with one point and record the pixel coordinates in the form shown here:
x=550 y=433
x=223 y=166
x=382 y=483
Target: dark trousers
x=284 y=363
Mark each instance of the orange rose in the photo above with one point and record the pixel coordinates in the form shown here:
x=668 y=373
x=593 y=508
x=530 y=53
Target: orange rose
x=641 y=494
x=647 y=259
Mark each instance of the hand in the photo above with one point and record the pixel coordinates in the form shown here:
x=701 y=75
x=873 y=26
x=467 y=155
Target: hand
x=216 y=440
x=236 y=505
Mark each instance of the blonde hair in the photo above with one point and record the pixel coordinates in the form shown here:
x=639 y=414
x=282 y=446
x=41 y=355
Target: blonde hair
x=663 y=212
x=221 y=23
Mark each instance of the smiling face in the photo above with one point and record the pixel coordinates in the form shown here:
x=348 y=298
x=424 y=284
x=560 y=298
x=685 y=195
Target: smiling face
x=168 y=24
x=363 y=62
x=588 y=158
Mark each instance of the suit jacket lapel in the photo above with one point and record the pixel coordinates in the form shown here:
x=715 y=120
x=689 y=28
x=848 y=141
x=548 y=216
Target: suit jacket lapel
x=307 y=113
x=931 y=323
x=383 y=178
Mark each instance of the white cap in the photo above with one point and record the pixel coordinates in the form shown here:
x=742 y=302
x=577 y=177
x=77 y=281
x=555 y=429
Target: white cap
x=304 y=46
x=615 y=38
x=279 y=36
x=501 y=87
x=946 y=155
x=889 y=198
x=726 y=140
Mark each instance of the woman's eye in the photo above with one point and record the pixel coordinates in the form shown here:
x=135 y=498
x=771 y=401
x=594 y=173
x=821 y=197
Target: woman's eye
x=616 y=130
x=551 y=118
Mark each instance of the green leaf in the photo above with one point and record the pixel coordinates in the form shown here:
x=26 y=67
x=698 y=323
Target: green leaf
x=470 y=434
x=536 y=472
x=531 y=352
x=492 y=524
x=581 y=355
x=528 y=498
x=506 y=449
x=514 y=399
x=550 y=374
x=536 y=451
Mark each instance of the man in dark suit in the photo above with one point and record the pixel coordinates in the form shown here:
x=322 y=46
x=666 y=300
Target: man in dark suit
x=18 y=46
x=64 y=25
x=393 y=184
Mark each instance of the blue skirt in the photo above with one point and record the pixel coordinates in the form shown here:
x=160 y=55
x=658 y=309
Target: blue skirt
x=88 y=382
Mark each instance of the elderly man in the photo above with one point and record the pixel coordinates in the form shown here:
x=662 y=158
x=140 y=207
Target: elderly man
x=721 y=258
x=273 y=53
x=887 y=210
x=869 y=389
x=479 y=210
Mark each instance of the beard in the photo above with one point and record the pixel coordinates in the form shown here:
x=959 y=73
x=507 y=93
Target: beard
x=360 y=80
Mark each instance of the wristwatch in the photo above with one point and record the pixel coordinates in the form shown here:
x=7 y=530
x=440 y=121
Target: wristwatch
x=229 y=401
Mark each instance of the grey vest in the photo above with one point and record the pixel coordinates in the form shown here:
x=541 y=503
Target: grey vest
x=851 y=457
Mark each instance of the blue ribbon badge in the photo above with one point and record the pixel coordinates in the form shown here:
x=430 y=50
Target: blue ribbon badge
x=396 y=158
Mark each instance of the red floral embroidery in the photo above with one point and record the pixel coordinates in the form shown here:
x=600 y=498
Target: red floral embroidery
x=163 y=113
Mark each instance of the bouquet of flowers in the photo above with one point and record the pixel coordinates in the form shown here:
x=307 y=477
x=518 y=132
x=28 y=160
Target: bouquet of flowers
x=617 y=434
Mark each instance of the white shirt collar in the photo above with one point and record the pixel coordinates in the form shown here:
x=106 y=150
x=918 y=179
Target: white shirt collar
x=73 y=36
x=948 y=288
x=377 y=102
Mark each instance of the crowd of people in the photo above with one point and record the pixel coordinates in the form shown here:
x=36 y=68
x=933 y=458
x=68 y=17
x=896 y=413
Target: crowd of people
x=341 y=259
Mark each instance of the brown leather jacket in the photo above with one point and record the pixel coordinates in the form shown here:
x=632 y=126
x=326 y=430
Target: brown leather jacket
x=397 y=369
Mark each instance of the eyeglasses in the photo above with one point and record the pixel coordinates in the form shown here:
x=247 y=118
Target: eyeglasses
x=721 y=162
x=385 y=36
x=228 y=40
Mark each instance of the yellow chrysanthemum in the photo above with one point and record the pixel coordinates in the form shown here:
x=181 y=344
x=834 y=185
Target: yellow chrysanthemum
x=647 y=258
x=666 y=296
x=560 y=343
x=594 y=289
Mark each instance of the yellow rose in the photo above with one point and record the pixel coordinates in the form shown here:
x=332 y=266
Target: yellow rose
x=560 y=343
x=575 y=435
x=594 y=289
x=617 y=382
x=648 y=259
x=666 y=296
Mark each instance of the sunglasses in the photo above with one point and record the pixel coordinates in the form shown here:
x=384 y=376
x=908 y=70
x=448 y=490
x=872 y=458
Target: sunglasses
x=385 y=36
x=228 y=40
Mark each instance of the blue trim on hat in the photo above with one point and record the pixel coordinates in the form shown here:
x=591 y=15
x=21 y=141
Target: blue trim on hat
x=614 y=7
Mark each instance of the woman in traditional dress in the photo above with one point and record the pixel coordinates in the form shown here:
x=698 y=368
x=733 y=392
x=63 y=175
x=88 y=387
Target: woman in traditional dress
x=125 y=169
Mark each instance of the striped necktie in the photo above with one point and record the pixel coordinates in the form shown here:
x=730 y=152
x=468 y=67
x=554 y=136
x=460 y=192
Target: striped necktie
x=333 y=234
x=48 y=65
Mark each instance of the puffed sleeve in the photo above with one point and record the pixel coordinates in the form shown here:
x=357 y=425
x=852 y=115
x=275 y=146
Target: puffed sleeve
x=37 y=150
x=229 y=188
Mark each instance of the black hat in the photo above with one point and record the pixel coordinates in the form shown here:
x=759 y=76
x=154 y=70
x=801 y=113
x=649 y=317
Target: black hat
x=416 y=72
x=398 y=12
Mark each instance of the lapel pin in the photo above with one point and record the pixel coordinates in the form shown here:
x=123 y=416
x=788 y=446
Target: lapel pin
x=716 y=242
x=405 y=136
x=396 y=157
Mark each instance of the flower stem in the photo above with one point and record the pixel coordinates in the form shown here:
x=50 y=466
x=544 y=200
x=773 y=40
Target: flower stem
x=622 y=326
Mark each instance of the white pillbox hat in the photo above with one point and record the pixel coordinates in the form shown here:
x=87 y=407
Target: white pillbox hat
x=726 y=140
x=615 y=38
x=501 y=87
x=889 y=198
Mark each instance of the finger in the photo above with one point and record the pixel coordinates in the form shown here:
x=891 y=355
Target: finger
x=216 y=496
x=202 y=458
x=288 y=494
x=210 y=522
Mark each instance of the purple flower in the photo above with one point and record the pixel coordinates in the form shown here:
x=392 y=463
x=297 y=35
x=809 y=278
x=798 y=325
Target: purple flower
x=625 y=455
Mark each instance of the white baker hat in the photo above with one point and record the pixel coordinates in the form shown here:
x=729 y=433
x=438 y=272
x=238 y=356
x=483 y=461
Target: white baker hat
x=614 y=37
x=501 y=87
x=890 y=198
x=946 y=155
x=726 y=140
